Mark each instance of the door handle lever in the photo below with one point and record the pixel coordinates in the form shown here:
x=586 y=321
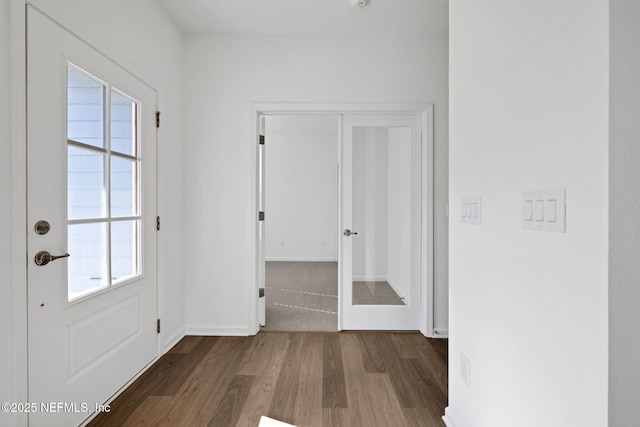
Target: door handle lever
x=348 y=232
x=44 y=257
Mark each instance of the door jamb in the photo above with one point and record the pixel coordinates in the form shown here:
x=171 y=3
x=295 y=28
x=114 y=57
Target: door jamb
x=425 y=110
x=18 y=203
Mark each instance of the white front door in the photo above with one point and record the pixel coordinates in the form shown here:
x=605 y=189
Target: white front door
x=381 y=222
x=91 y=147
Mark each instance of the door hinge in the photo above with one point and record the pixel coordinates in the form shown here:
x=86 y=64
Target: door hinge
x=157 y=119
x=261 y=293
x=158 y=326
x=158 y=223
x=261 y=139
x=260 y=216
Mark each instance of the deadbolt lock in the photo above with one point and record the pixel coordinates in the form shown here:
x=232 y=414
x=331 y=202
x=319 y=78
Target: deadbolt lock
x=42 y=227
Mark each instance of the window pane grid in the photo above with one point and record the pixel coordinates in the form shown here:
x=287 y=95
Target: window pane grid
x=104 y=221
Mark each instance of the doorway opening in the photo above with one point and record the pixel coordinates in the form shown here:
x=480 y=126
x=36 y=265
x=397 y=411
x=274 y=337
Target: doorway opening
x=300 y=198
x=398 y=128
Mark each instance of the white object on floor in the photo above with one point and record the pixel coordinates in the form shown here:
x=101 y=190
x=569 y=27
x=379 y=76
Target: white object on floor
x=270 y=422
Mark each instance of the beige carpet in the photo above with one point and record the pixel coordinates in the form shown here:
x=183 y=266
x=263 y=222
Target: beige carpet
x=301 y=296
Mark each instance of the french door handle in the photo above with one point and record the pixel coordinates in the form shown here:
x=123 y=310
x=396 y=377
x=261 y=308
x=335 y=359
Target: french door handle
x=44 y=257
x=348 y=232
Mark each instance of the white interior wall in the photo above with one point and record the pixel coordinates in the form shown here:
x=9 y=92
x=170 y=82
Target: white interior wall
x=624 y=221
x=529 y=96
x=141 y=36
x=223 y=76
x=301 y=190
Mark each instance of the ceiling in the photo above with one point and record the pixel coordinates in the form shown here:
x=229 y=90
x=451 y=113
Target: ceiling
x=309 y=17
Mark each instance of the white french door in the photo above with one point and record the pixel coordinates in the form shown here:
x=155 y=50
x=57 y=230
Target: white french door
x=381 y=222
x=92 y=285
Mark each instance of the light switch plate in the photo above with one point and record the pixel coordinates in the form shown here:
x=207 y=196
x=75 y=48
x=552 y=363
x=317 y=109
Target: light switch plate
x=544 y=210
x=471 y=210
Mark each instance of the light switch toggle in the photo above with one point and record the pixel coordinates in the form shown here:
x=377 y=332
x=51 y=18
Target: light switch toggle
x=539 y=210
x=550 y=210
x=527 y=214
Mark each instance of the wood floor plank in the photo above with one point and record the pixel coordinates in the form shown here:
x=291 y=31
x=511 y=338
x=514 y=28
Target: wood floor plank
x=426 y=388
x=435 y=350
x=186 y=344
x=360 y=406
x=441 y=346
x=266 y=367
x=151 y=412
x=387 y=409
x=203 y=390
x=129 y=400
x=252 y=356
x=169 y=384
x=334 y=393
x=406 y=346
x=373 y=362
x=399 y=373
x=414 y=385
x=259 y=354
x=422 y=417
x=235 y=380
x=283 y=403
x=427 y=350
x=336 y=417
x=230 y=407
x=308 y=410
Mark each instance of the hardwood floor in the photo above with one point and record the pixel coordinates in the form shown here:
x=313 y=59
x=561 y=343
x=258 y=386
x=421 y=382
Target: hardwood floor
x=303 y=378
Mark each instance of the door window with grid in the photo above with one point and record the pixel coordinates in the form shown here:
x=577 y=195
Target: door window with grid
x=103 y=185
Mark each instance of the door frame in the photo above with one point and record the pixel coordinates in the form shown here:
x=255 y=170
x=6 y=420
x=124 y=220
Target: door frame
x=425 y=111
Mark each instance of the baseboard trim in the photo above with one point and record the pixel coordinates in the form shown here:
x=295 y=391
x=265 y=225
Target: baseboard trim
x=303 y=259
x=217 y=331
x=173 y=340
x=441 y=332
x=448 y=420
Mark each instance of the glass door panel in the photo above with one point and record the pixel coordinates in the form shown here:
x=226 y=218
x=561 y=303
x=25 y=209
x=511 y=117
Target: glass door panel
x=124 y=191
x=103 y=186
x=124 y=250
x=87 y=266
x=86 y=180
x=85 y=108
x=123 y=124
x=381 y=208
